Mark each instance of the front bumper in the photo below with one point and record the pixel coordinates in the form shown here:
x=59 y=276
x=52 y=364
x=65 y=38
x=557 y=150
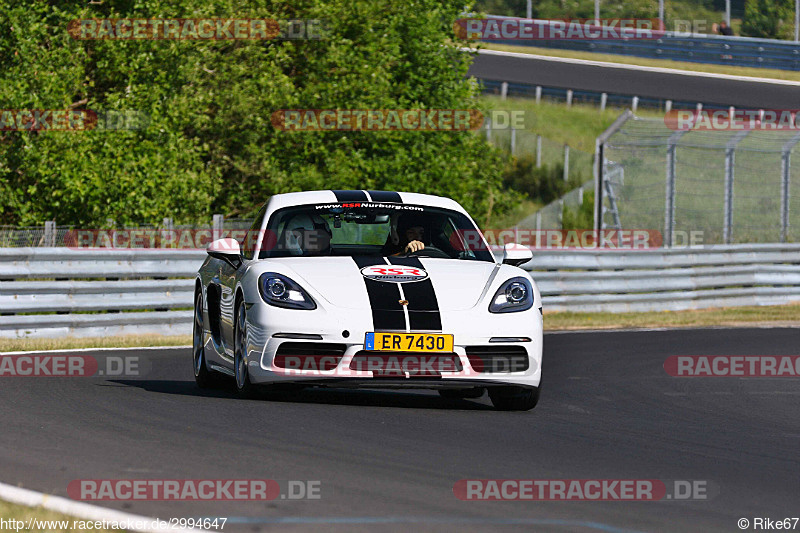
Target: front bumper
x=470 y=328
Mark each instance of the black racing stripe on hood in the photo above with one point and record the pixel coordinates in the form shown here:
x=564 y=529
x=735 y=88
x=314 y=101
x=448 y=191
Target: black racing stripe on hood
x=385 y=196
x=384 y=299
x=423 y=307
x=350 y=196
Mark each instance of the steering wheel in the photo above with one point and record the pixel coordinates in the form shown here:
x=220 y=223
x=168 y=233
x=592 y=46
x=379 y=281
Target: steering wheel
x=428 y=251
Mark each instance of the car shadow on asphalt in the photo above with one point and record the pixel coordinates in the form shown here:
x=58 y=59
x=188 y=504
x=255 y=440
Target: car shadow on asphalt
x=330 y=396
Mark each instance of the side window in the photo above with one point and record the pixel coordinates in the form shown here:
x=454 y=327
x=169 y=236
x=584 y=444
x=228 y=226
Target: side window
x=249 y=245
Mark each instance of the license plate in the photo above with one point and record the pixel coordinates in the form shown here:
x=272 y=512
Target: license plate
x=409 y=342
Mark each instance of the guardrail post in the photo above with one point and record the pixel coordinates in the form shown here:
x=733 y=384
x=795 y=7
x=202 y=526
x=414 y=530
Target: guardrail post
x=50 y=233
x=218 y=225
x=538 y=93
x=569 y=97
x=603 y=100
x=566 y=162
x=786 y=167
x=634 y=103
x=503 y=90
x=668 y=106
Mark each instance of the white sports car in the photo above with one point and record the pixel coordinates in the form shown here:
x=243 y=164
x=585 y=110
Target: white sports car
x=369 y=289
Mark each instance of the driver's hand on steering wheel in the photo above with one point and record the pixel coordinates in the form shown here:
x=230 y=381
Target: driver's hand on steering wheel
x=414 y=246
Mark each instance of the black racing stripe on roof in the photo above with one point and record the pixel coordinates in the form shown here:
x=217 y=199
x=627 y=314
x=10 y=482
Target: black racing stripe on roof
x=385 y=196
x=350 y=196
x=423 y=307
x=384 y=299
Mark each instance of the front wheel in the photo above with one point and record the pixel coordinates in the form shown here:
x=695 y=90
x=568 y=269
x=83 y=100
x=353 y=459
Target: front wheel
x=514 y=398
x=243 y=385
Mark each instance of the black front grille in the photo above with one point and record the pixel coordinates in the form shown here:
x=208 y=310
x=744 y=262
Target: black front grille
x=497 y=359
x=309 y=355
x=398 y=363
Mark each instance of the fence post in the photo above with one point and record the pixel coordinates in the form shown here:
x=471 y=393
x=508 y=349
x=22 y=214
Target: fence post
x=669 y=204
x=786 y=167
x=504 y=90
x=218 y=224
x=634 y=103
x=167 y=223
x=513 y=140
x=569 y=97
x=539 y=229
x=538 y=151
x=668 y=106
x=50 y=233
x=489 y=129
x=730 y=159
x=538 y=93
x=566 y=162
x=603 y=100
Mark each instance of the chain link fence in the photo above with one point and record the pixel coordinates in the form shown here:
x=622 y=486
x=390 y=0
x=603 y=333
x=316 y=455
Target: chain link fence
x=723 y=187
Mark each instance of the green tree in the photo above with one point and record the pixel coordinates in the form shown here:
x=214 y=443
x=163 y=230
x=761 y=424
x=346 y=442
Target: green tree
x=767 y=18
x=210 y=146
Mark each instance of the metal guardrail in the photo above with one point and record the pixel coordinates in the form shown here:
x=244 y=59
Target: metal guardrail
x=56 y=292
x=697 y=48
x=667 y=279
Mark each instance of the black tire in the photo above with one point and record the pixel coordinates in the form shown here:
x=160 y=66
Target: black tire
x=514 y=398
x=204 y=377
x=460 y=394
x=243 y=385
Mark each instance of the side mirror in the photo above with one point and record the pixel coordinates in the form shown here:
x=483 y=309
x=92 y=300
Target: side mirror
x=516 y=254
x=227 y=250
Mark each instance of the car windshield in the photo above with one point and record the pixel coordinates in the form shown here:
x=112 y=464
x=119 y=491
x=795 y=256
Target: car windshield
x=372 y=229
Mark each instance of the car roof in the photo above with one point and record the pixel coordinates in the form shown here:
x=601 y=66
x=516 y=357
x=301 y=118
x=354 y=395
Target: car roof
x=279 y=201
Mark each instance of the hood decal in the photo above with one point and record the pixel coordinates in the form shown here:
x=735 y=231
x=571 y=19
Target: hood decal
x=384 y=299
x=394 y=274
x=423 y=307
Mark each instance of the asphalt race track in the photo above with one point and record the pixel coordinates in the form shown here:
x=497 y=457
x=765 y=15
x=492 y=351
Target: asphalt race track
x=705 y=89
x=389 y=460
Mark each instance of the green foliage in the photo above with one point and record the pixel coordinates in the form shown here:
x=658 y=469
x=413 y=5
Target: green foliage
x=768 y=18
x=582 y=217
x=210 y=146
x=541 y=184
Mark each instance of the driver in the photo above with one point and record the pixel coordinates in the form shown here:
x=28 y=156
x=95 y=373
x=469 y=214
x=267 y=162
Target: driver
x=408 y=238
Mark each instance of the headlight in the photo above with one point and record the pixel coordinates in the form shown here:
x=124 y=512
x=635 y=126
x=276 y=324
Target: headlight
x=514 y=295
x=280 y=291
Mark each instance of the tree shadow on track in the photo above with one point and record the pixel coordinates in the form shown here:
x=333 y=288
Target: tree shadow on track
x=329 y=396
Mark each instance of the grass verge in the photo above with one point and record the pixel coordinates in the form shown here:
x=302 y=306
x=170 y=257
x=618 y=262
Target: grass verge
x=646 y=62
x=53 y=522
x=777 y=315
x=123 y=341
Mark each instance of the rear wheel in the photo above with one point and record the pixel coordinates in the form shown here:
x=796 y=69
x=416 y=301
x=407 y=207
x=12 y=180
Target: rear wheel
x=243 y=385
x=514 y=398
x=204 y=377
